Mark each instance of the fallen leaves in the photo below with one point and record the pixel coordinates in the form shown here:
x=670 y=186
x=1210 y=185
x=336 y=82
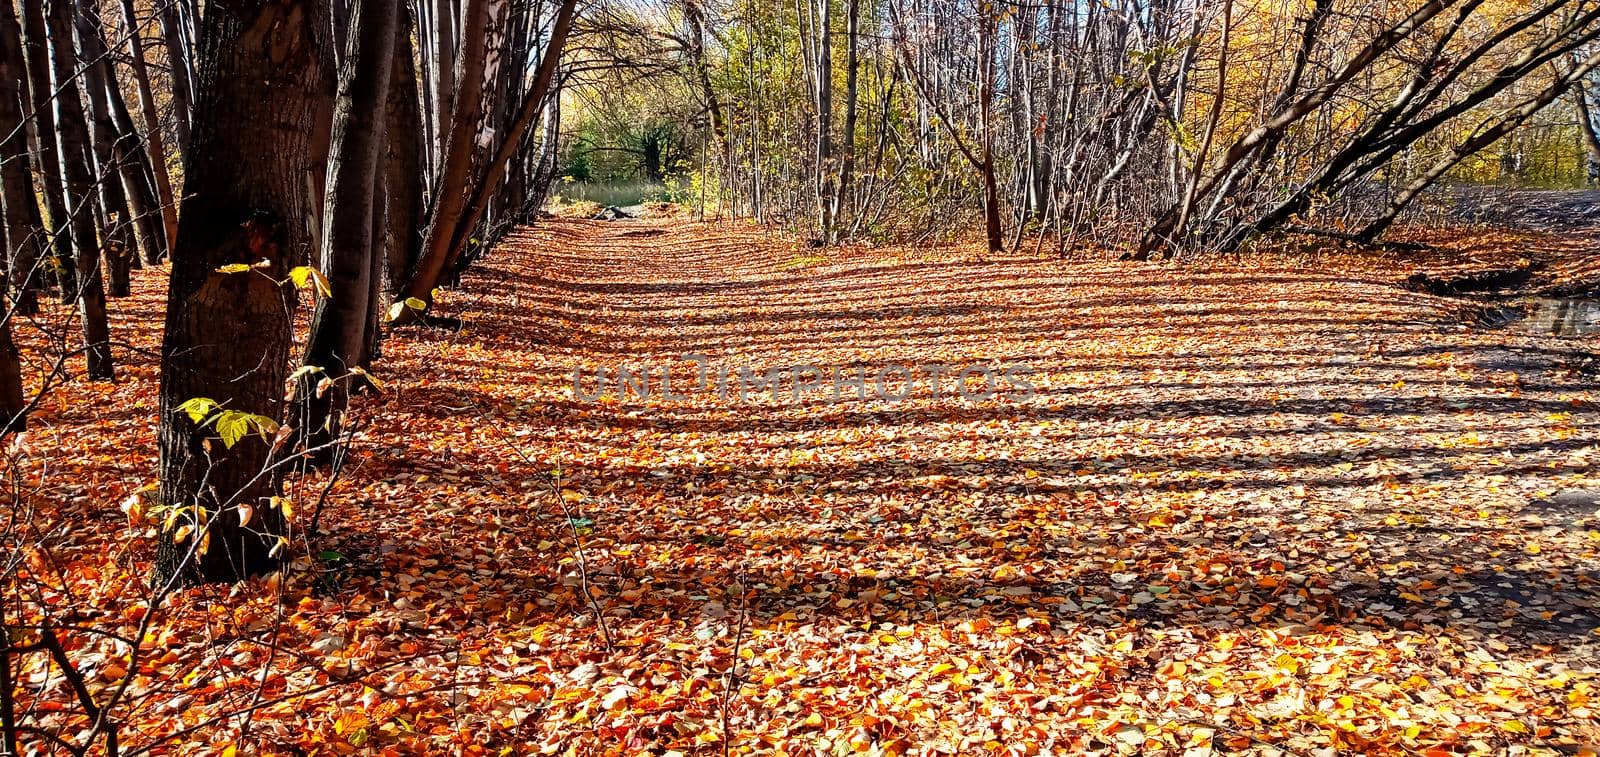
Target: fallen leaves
x=1251 y=509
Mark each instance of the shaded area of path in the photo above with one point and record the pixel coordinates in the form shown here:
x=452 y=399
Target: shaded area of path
x=1259 y=394
x=1256 y=453
x=1561 y=211
x=1273 y=503
x=1268 y=386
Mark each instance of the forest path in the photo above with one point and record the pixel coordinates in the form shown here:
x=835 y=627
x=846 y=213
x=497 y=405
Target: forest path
x=1211 y=452
x=1266 y=498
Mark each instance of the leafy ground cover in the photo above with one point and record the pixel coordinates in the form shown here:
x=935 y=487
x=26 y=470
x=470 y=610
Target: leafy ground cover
x=1270 y=507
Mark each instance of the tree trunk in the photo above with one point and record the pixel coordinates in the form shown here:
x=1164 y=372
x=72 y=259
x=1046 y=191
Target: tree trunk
x=138 y=178
x=992 y=230
x=544 y=172
x=73 y=141
x=694 y=17
x=1218 y=98
x=852 y=65
x=456 y=212
x=372 y=329
x=445 y=62
x=13 y=401
x=119 y=181
x=179 y=64
x=155 y=142
x=824 y=137
x=37 y=58
x=24 y=227
x=403 y=168
x=338 y=339
x=1591 y=136
x=262 y=89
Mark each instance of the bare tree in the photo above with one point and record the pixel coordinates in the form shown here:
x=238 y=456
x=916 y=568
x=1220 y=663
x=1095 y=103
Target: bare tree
x=1585 y=112
x=37 y=58
x=122 y=200
x=458 y=207
x=24 y=227
x=155 y=142
x=403 y=167
x=78 y=183
x=180 y=65
x=350 y=238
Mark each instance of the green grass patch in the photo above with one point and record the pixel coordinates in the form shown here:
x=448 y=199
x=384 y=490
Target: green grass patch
x=619 y=195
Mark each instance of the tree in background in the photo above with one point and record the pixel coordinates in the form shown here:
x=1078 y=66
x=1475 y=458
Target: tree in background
x=352 y=223
x=78 y=185
x=1587 y=109
x=1147 y=127
x=23 y=227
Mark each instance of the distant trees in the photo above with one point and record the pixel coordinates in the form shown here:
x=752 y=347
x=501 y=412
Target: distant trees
x=155 y=142
x=23 y=230
x=78 y=181
x=37 y=56
x=1147 y=126
x=23 y=227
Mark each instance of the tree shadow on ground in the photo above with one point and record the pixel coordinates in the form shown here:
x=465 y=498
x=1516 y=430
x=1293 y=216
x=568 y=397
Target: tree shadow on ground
x=1182 y=500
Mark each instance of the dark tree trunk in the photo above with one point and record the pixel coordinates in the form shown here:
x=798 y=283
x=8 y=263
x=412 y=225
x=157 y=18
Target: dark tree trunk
x=155 y=142
x=139 y=180
x=13 y=402
x=37 y=57
x=178 y=63
x=403 y=168
x=23 y=227
x=852 y=65
x=824 y=107
x=116 y=179
x=73 y=140
x=338 y=340
x=261 y=89
x=372 y=331
x=455 y=172
x=992 y=231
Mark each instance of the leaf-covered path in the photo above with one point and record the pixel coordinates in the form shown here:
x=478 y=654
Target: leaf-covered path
x=1245 y=506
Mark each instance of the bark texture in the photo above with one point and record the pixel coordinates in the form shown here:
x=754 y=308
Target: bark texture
x=260 y=92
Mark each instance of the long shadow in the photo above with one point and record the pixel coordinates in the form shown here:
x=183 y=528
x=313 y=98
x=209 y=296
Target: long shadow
x=870 y=536
x=1350 y=578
